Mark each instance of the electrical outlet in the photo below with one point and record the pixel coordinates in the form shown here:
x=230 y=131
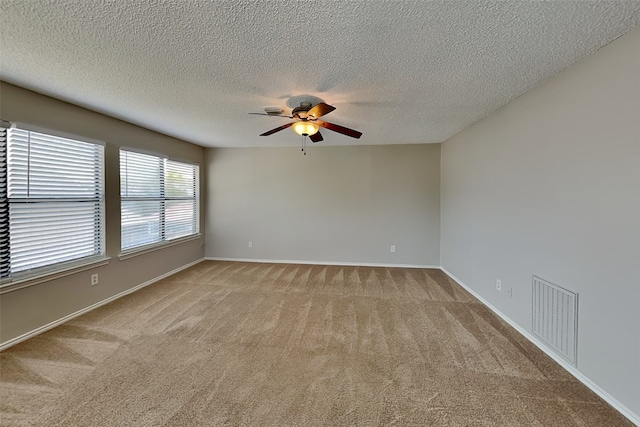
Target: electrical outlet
x=393 y=248
x=94 y=279
x=250 y=244
x=499 y=285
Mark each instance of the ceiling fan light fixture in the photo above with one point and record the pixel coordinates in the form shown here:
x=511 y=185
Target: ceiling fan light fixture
x=305 y=128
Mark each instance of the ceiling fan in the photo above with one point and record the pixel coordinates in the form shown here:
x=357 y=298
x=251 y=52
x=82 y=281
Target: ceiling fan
x=306 y=121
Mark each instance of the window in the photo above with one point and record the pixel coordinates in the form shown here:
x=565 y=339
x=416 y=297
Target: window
x=51 y=202
x=159 y=200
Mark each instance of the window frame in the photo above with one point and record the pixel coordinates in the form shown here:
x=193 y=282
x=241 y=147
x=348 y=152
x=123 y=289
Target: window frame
x=34 y=275
x=163 y=242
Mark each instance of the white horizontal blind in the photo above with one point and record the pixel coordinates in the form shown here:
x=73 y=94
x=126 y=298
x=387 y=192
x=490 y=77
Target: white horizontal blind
x=159 y=199
x=181 y=191
x=5 y=259
x=55 y=198
x=141 y=199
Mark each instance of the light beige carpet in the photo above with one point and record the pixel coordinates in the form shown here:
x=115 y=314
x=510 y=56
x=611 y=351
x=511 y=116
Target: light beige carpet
x=227 y=343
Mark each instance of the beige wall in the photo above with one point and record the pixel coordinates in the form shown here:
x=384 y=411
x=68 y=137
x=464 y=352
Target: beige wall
x=335 y=205
x=26 y=309
x=550 y=185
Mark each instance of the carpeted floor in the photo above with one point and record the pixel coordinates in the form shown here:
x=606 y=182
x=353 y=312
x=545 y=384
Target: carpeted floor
x=227 y=343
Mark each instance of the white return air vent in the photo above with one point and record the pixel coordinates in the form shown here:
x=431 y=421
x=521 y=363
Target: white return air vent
x=555 y=317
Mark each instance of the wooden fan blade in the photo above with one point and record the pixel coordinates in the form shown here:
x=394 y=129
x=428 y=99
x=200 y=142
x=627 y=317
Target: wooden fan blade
x=316 y=137
x=320 y=110
x=278 y=129
x=272 y=115
x=340 y=129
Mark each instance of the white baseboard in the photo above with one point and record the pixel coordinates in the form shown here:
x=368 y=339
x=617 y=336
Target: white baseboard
x=634 y=418
x=64 y=319
x=298 y=261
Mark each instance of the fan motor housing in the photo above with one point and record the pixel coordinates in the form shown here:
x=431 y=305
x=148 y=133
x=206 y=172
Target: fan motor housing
x=303 y=108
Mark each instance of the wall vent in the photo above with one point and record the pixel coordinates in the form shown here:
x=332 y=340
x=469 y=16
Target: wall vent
x=555 y=317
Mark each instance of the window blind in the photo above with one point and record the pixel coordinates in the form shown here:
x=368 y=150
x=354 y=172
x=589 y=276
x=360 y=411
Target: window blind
x=5 y=260
x=51 y=200
x=159 y=199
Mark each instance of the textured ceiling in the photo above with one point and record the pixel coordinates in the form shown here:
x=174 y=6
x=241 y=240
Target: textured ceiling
x=398 y=71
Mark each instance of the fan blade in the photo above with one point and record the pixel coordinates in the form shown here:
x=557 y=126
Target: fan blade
x=340 y=129
x=272 y=115
x=316 y=137
x=320 y=110
x=278 y=129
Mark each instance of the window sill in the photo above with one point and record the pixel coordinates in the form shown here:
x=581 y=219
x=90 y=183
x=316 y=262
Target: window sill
x=24 y=282
x=156 y=247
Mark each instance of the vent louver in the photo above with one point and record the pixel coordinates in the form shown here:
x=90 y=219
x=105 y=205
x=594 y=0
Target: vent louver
x=555 y=317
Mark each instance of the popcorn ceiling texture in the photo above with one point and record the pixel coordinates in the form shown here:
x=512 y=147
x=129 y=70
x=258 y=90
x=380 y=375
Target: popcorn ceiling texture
x=400 y=72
